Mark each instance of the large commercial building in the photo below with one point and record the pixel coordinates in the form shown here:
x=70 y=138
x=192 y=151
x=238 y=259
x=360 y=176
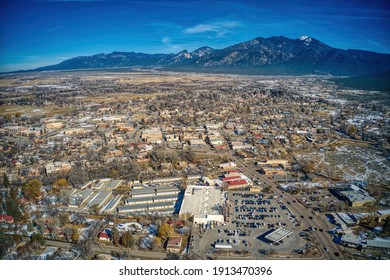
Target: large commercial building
x=361 y=244
x=355 y=196
x=160 y=200
x=204 y=203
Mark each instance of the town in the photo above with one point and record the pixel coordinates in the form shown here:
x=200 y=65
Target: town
x=162 y=165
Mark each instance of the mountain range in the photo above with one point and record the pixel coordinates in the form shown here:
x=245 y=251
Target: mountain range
x=274 y=55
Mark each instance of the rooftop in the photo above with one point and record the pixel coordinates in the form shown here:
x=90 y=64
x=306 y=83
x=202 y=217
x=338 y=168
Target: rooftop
x=202 y=200
x=278 y=234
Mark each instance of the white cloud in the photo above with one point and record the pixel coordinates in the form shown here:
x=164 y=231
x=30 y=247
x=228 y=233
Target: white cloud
x=166 y=40
x=218 y=29
x=170 y=47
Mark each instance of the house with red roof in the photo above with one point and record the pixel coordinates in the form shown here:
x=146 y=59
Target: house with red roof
x=6 y=219
x=104 y=236
x=237 y=184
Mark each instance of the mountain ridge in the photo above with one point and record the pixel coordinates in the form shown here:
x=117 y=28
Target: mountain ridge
x=304 y=55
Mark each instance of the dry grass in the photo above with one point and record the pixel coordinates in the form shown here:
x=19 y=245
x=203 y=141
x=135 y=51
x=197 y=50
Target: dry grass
x=121 y=97
x=8 y=109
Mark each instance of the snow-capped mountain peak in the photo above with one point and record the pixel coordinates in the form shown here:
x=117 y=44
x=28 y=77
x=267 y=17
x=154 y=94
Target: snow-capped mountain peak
x=306 y=40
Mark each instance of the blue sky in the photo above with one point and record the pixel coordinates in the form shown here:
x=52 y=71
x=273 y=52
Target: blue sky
x=43 y=32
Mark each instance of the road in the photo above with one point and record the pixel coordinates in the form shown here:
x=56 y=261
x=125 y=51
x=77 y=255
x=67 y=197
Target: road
x=106 y=249
x=298 y=209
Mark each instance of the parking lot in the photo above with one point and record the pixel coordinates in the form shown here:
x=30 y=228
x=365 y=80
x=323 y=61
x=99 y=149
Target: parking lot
x=319 y=199
x=251 y=217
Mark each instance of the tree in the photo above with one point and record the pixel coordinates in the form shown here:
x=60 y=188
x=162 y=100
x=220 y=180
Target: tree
x=6 y=243
x=351 y=129
x=386 y=227
x=75 y=233
x=85 y=249
x=94 y=209
x=37 y=238
x=14 y=193
x=127 y=239
x=32 y=189
x=308 y=167
x=63 y=217
x=165 y=231
x=62 y=182
x=267 y=189
x=115 y=236
x=13 y=208
x=6 y=183
x=157 y=243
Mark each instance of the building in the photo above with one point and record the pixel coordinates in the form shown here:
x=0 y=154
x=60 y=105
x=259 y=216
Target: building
x=158 y=191
x=146 y=200
x=355 y=196
x=152 y=136
x=362 y=244
x=79 y=198
x=274 y=163
x=174 y=244
x=272 y=171
x=228 y=165
x=237 y=184
x=159 y=207
x=57 y=166
x=112 y=204
x=104 y=236
x=278 y=235
x=16 y=130
x=6 y=219
x=165 y=180
x=100 y=198
x=204 y=203
x=151 y=199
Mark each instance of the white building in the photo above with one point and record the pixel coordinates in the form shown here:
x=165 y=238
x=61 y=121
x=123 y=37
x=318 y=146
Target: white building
x=204 y=203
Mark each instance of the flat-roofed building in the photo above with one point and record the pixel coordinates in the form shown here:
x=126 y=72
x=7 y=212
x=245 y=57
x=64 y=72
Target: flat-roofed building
x=278 y=235
x=353 y=241
x=168 y=206
x=355 y=196
x=157 y=191
x=100 y=198
x=204 y=203
x=166 y=179
x=237 y=184
x=348 y=220
x=272 y=171
x=273 y=163
x=79 y=198
x=228 y=165
x=112 y=204
x=194 y=177
x=196 y=142
x=150 y=199
x=174 y=244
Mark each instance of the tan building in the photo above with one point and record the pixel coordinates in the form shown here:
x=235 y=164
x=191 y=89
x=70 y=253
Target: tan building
x=174 y=244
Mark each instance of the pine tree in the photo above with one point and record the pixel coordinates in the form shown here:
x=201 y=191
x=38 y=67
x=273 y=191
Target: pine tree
x=13 y=208
x=6 y=181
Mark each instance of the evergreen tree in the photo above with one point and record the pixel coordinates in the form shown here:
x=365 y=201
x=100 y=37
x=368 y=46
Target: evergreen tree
x=13 y=208
x=6 y=183
x=6 y=242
